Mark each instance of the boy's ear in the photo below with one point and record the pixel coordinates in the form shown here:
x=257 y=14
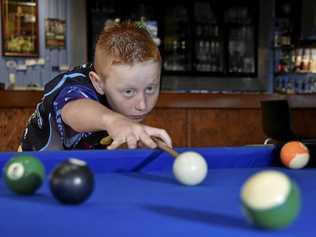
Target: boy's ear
x=97 y=82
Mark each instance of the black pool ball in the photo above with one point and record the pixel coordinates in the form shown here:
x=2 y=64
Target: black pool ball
x=72 y=182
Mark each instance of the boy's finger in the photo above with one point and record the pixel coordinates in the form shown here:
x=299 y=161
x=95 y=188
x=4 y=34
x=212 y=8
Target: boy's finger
x=148 y=141
x=115 y=144
x=162 y=134
x=132 y=142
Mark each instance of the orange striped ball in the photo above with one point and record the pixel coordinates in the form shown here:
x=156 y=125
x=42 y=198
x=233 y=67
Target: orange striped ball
x=294 y=155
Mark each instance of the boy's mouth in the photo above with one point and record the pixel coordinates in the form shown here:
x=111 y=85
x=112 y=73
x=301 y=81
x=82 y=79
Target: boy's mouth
x=137 y=117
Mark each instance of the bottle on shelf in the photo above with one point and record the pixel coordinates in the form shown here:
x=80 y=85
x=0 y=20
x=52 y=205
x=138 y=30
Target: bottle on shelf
x=313 y=60
x=309 y=61
x=277 y=36
x=286 y=37
x=302 y=62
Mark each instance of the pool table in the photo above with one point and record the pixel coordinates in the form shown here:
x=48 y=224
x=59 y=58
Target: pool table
x=137 y=195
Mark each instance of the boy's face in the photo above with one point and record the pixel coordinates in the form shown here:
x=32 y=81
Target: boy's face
x=132 y=90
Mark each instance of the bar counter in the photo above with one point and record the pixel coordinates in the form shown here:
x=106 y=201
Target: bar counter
x=191 y=119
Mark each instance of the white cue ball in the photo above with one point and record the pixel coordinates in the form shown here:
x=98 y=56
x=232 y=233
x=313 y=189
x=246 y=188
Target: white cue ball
x=190 y=168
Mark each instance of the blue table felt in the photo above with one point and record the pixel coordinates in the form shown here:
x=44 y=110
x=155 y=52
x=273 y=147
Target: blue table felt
x=137 y=195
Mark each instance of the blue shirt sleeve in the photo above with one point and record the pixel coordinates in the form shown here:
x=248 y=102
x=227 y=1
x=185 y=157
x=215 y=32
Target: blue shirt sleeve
x=69 y=137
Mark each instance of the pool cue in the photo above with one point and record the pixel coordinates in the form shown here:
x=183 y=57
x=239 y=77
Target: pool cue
x=161 y=145
x=106 y=141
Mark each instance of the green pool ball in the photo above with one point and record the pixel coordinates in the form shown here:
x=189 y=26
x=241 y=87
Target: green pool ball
x=271 y=200
x=24 y=174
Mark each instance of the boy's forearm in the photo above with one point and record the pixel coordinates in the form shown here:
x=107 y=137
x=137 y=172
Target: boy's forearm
x=85 y=115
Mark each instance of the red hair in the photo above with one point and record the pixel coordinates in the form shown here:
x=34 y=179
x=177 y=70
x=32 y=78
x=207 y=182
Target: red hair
x=126 y=43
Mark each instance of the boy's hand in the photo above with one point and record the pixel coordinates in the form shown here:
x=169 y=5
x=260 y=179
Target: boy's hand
x=123 y=130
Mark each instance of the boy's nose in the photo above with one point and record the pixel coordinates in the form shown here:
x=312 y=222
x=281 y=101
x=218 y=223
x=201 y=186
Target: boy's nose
x=141 y=103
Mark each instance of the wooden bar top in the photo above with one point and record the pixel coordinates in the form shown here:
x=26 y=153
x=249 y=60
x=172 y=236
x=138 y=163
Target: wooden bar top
x=29 y=99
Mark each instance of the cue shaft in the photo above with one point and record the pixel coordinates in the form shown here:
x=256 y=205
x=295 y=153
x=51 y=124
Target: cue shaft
x=161 y=145
x=165 y=147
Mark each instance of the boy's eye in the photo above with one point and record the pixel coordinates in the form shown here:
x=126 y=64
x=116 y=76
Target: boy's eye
x=151 y=89
x=129 y=92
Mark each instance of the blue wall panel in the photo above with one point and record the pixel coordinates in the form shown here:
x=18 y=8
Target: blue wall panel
x=73 y=11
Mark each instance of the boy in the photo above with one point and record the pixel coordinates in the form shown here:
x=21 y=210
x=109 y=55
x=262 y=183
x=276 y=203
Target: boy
x=111 y=97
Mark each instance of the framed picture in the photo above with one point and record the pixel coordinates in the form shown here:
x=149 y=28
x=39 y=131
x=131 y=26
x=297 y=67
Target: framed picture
x=55 y=33
x=20 y=37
